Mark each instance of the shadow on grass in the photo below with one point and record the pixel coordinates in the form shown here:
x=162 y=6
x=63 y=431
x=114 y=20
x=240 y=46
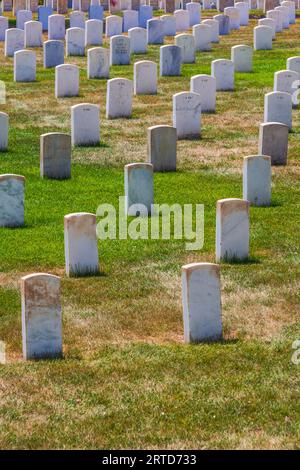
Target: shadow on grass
x=245 y=261
x=79 y=275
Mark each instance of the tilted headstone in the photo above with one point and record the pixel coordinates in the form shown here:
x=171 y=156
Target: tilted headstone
x=194 y=10
x=223 y=20
x=182 y=18
x=33 y=34
x=162 y=147
x=55 y=156
x=56 y=27
x=119 y=50
x=278 y=108
x=234 y=17
x=138 y=183
x=268 y=22
x=257 y=180
x=3 y=131
x=232 y=230
x=94 y=33
x=242 y=57
x=22 y=17
x=202 y=34
x=155 y=31
x=273 y=141
x=119 y=98
x=263 y=36
x=3 y=27
x=75 y=42
x=145 y=78
x=169 y=25
x=205 y=86
x=81 y=245
x=113 y=26
x=187 y=44
x=187 y=114
x=85 y=124
x=201 y=302
x=41 y=316
x=24 y=66
x=98 y=62
x=54 y=53
x=170 y=61
x=66 y=80
x=223 y=71
x=130 y=20
x=145 y=14
x=214 y=32
x=12 y=200
x=138 y=40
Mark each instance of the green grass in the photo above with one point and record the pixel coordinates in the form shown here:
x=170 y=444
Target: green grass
x=127 y=379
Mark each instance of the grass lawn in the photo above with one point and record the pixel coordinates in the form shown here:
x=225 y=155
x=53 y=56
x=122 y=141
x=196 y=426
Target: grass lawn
x=127 y=379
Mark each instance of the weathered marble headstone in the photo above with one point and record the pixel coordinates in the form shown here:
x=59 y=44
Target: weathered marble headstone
x=187 y=114
x=62 y=7
x=119 y=50
x=41 y=316
x=113 y=26
x=96 y=12
x=130 y=20
x=202 y=34
x=187 y=44
x=257 y=180
x=75 y=41
x=287 y=81
x=293 y=64
x=223 y=71
x=182 y=18
x=138 y=40
x=243 y=8
x=14 y=41
x=214 y=32
x=54 y=53
x=55 y=156
x=162 y=147
x=278 y=108
x=273 y=141
x=3 y=131
x=33 y=34
x=94 y=33
x=205 y=86
x=145 y=78
x=145 y=14
x=81 y=246
x=85 y=124
x=263 y=36
x=43 y=15
x=22 y=17
x=3 y=27
x=119 y=98
x=24 y=66
x=232 y=229
x=234 y=17
x=170 y=61
x=11 y=200
x=66 y=80
x=98 y=62
x=242 y=57
x=56 y=27
x=194 y=10
x=292 y=10
x=224 y=28
x=277 y=16
x=285 y=16
x=268 y=22
x=138 y=189
x=155 y=31
x=169 y=25
x=201 y=301
x=77 y=19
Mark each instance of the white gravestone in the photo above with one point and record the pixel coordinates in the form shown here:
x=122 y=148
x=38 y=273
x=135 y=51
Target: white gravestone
x=14 y=41
x=205 y=86
x=145 y=78
x=4 y=120
x=234 y=17
x=11 y=200
x=119 y=50
x=3 y=27
x=41 y=316
x=242 y=57
x=81 y=245
x=187 y=114
x=162 y=147
x=285 y=16
x=287 y=81
x=56 y=27
x=113 y=26
x=257 y=180
x=182 y=18
x=85 y=124
x=138 y=189
x=223 y=71
x=55 y=156
x=138 y=40
x=194 y=10
x=33 y=34
x=277 y=16
x=119 y=98
x=293 y=64
x=130 y=20
x=170 y=60
x=278 y=108
x=232 y=230
x=98 y=62
x=94 y=33
x=66 y=80
x=22 y=17
x=268 y=22
x=187 y=44
x=263 y=36
x=155 y=31
x=291 y=5
x=75 y=41
x=169 y=25
x=54 y=53
x=201 y=302
x=273 y=141
x=24 y=66
x=214 y=32
x=243 y=8
x=202 y=34
x=77 y=19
